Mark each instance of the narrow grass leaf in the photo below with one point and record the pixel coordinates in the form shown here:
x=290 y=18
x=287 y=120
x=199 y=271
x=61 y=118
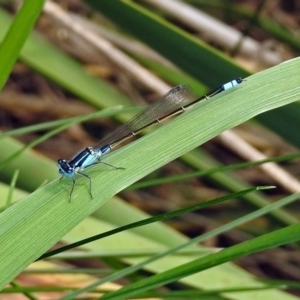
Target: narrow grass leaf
x=16 y=36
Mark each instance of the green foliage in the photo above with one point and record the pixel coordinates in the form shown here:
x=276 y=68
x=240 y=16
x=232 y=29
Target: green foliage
x=17 y=35
x=31 y=226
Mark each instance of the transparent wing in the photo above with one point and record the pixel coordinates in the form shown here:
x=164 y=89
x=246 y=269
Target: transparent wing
x=171 y=101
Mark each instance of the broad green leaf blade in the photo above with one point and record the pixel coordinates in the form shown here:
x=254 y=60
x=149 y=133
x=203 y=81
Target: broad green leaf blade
x=41 y=219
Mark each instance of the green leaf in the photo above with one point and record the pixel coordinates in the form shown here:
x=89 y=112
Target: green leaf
x=41 y=219
x=17 y=35
x=195 y=57
x=276 y=238
x=189 y=53
x=165 y=259
x=64 y=70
